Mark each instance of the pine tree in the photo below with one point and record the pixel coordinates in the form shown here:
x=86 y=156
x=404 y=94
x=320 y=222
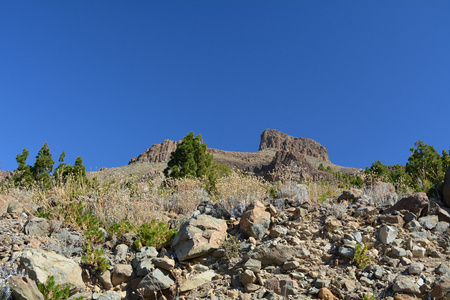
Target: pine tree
x=23 y=175
x=78 y=169
x=43 y=166
x=190 y=159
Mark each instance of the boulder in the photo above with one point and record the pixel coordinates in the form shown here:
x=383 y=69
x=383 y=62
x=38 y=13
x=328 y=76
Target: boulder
x=255 y=220
x=40 y=265
x=4 y=203
x=121 y=273
x=350 y=195
x=446 y=188
x=198 y=236
x=417 y=203
x=405 y=284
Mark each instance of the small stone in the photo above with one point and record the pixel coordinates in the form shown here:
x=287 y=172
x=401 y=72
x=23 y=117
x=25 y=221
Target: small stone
x=429 y=222
x=253 y=265
x=248 y=277
x=326 y=294
x=121 y=273
x=346 y=252
x=415 y=268
x=442 y=269
x=290 y=265
x=164 y=263
x=387 y=234
x=409 y=217
x=441 y=227
x=413 y=226
x=418 y=251
x=404 y=284
x=398 y=252
x=321 y=282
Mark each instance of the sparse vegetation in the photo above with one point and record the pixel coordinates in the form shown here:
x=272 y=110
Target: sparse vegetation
x=360 y=257
x=50 y=291
x=231 y=246
x=154 y=234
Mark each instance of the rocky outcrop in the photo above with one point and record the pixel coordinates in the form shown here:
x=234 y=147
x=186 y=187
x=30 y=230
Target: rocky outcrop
x=446 y=189
x=5 y=175
x=272 y=138
x=156 y=153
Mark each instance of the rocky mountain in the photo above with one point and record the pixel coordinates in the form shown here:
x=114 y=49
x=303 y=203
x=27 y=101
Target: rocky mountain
x=276 y=150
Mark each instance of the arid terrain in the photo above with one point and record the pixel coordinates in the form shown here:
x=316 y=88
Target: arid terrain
x=256 y=239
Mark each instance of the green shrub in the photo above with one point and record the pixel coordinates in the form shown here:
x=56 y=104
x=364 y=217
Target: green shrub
x=231 y=246
x=94 y=258
x=154 y=234
x=360 y=257
x=50 y=291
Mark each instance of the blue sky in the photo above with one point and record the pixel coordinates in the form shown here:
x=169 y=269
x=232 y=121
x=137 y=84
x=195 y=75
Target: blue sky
x=107 y=79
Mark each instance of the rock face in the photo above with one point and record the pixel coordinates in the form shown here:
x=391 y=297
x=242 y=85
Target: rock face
x=199 y=236
x=300 y=168
x=447 y=188
x=156 y=153
x=272 y=138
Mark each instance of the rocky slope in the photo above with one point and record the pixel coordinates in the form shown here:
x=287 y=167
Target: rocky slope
x=360 y=246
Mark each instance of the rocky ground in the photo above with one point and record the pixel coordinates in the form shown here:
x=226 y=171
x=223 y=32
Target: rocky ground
x=358 y=247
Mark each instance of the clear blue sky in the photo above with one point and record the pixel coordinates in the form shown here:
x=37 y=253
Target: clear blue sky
x=107 y=79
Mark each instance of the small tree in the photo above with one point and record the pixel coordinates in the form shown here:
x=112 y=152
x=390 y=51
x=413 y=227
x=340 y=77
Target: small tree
x=22 y=175
x=425 y=166
x=189 y=159
x=43 y=166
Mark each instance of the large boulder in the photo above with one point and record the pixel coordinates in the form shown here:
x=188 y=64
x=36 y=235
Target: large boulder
x=446 y=189
x=198 y=236
x=416 y=203
x=255 y=220
x=40 y=265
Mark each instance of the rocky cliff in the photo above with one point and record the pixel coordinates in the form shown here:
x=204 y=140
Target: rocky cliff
x=272 y=138
x=156 y=153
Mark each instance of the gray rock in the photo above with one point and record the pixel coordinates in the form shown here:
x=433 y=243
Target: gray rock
x=441 y=227
x=415 y=268
x=24 y=288
x=38 y=227
x=15 y=207
x=413 y=226
x=418 y=251
x=146 y=252
x=105 y=279
x=278 y=231
x=346 y=252
x=40 y=265
x=405 y=284
x=121 y=273
x=253 y=265
x=378 y=272
x=197 y=281
x=164 y=263
x=154 y=281
x=290 y=265
x=144 y=267
x=322 y=282
x=442 y=269
x=387 y=234
x=398 y=252
x=110 y=295
x=417 y=203
x=121 y=253
x=409 y=217
x=199 y=236
x=429 y=222
x=248 y=277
